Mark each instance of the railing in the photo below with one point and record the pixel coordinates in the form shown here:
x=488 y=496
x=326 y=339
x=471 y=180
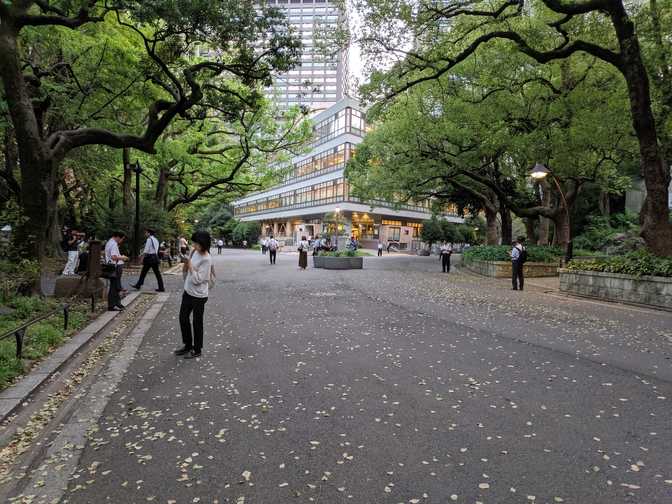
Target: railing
x=19 y=333
x=339 y=199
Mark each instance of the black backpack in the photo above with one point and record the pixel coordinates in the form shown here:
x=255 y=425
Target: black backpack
x=523 y=255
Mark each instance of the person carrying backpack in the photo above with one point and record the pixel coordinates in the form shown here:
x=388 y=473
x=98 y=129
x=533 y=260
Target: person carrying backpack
x=518 y=258
x=272 y=245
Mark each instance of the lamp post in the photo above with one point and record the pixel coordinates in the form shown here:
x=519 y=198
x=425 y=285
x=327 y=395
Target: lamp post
x=136 y=235
x=540 y=172
x=337 y=214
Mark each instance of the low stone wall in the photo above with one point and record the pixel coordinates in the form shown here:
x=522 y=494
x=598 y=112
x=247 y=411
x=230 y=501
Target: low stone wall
x=646 y=290
x=502 y=269
x=338 y=263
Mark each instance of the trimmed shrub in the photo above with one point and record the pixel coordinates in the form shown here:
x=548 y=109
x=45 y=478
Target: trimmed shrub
x=535 y=253
x=638 y=263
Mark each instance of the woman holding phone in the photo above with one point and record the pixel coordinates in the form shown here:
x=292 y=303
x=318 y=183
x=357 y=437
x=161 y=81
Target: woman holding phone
x=196 y=270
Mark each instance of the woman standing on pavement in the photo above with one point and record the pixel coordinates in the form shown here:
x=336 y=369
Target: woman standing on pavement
x=197 y=272
x=303 y=253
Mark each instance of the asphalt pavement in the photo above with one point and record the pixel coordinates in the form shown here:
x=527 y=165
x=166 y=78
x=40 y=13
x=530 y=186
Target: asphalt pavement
x=392 y=384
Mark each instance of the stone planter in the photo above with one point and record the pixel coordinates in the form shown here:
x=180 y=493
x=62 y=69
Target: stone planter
x=318 y=261
x=645 y=290
x=502 y=269
x=341 y=263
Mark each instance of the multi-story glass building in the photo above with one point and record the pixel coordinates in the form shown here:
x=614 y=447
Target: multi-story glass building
x=314 y=197
x=320 y=80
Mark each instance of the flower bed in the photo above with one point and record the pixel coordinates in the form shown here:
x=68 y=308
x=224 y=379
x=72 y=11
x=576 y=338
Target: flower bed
x=638 y=277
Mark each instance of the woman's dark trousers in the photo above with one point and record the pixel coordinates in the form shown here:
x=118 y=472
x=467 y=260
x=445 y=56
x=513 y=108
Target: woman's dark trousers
x=197 y=306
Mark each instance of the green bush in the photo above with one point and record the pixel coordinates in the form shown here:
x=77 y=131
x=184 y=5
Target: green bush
x=638 y=263
x=535 y=253
x=17 y=277
x=345 y=253
x=602 y=232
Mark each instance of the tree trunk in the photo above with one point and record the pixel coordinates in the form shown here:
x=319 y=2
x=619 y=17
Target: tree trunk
x=562 y=230
x=491 y=226
x=604 y=204
x=127 y=184
x=530 y=225
x=37 y=169
x=507 y=224
x=161 y=195
x=654 y=216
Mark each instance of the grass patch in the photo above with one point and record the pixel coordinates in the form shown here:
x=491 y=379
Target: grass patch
x=41 y=338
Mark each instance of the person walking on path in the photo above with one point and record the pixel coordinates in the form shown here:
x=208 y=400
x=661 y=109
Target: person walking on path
x=150 y=260
x=518 y=257
x=272 y=244
x=303 y=253
x=264 y=245
x=220 y=245
x=446 y=252
x=71 y=246
x=380 y=249
x=197 y=271
x=184 y=246
x=113 y=256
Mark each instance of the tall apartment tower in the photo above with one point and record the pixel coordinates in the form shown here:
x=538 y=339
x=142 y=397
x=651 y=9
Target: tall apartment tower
x=320 y=80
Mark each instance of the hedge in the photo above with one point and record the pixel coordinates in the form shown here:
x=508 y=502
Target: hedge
x=535 y=253
x=637 y=263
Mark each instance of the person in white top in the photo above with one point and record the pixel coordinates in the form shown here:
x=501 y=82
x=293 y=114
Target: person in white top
x=220 y=245
x=196 y=270
x=380 y=249
x=264 y=244
x=150 y=260
x=113 y=256
x=303 y=247
x=273 y=246
x=446 y=252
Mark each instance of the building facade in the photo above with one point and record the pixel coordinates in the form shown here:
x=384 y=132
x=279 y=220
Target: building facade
x=314 y=198
x=320 y=80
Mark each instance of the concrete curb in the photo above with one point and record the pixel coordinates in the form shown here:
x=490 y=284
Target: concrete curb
x=12 y=397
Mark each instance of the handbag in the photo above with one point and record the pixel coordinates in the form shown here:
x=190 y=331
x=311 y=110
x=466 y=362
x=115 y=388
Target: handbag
x=108 y=270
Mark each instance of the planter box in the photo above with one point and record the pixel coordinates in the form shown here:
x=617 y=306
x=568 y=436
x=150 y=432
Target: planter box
x=645 y=290
x=341 y=263
x=318 y=261
x=502 y=269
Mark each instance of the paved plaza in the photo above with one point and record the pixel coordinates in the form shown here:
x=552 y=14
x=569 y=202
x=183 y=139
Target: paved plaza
x=392 y=384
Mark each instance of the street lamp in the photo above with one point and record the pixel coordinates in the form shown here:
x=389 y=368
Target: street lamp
x=337 y=214
x=540 y=172
x=136 y=236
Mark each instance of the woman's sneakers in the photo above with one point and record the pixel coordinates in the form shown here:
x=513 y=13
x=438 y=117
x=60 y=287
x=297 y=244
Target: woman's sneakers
x=193 y=354
x=182 y=351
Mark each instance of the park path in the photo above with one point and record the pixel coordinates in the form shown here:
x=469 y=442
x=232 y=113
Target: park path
x=394 y=384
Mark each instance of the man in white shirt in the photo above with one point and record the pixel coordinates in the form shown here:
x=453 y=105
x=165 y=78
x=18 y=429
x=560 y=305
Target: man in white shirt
x=150 y=260
x=446 y=252
x=518 y=257
x=113 y=256
x=220 y=245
